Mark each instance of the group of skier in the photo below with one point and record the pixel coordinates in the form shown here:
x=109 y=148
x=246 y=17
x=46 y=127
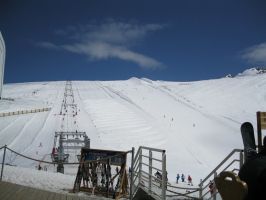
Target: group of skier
x=183 y=179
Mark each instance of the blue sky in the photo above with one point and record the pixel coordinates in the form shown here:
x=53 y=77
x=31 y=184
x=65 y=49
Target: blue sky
x=175 y=40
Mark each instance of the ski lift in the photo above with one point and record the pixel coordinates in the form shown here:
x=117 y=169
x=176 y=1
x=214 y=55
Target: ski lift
x=55 y=157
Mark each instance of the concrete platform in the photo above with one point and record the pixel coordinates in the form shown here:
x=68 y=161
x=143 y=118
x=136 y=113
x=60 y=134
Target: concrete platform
x=10 y=191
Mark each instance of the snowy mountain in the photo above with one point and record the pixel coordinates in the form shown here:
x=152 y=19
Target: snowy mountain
x=197 y=123
x=253 y=71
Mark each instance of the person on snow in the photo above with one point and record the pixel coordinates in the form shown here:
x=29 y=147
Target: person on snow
x=177 y=178
x=183 y=178
x=189 y=180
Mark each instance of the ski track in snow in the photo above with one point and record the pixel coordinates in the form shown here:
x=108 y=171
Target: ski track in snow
x=13 y=129
x=197 y=122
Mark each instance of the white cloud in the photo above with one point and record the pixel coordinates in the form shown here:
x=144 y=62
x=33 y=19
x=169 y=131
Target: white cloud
x=48 y=45
x=100 y=51
x=255 y=54
x=110 y=39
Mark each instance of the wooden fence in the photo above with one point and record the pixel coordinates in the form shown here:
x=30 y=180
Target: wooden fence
x=20 y=112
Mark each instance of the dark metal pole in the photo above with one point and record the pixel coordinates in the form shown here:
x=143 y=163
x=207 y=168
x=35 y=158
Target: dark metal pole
x=60 y=166
x=164 y=182
x=150 y=170
x=132 y=173
x=259 y=131
x=3 y=163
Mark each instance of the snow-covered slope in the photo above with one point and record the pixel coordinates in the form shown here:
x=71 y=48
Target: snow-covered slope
x=196 y=122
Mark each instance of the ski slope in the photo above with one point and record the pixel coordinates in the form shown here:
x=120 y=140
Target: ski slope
x=197 y=123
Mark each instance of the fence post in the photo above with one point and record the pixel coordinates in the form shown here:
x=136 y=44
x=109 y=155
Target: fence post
x=200 y=189
x=150 y=169
x=3 y=163
x=140 y=164
x=259 y=131
x=164 y=176
x=215 y=193
x=132 y=173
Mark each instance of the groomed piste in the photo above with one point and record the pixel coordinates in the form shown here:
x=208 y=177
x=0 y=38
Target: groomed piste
x=197 y=123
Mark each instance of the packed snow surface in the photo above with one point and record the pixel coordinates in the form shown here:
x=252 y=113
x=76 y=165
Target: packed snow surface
x=197 y=123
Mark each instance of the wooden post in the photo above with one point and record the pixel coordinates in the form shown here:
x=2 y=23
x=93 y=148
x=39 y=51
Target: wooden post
x=122 y=182
x=261 y=124
x=259 y=131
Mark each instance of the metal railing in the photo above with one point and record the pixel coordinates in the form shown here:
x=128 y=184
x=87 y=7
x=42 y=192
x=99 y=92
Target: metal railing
x=232 y=162
x=148 y=160
x=143 y=164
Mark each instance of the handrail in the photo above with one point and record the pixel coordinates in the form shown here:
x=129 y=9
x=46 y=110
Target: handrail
x=184 y=188
x=181 y=194
x=152 y=158
x=151 y=166
x=235 y=160
x=215 y=170
x=137 y=155
x=152 y=149
x=144 y=178
x=218 y=166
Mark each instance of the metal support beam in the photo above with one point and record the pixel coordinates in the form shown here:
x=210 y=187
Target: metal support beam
x=132 y=173
x=3 y=163
x=164 y=176
x=60 y=166
x=140 y=165
x=215 y=193
x=150 y=169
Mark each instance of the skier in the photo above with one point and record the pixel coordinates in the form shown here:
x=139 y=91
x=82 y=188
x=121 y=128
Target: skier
x=177 y=178
x=189 y=180
x=183 y=178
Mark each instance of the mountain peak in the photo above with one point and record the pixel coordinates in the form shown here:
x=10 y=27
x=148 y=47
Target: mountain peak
x=253 y=71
